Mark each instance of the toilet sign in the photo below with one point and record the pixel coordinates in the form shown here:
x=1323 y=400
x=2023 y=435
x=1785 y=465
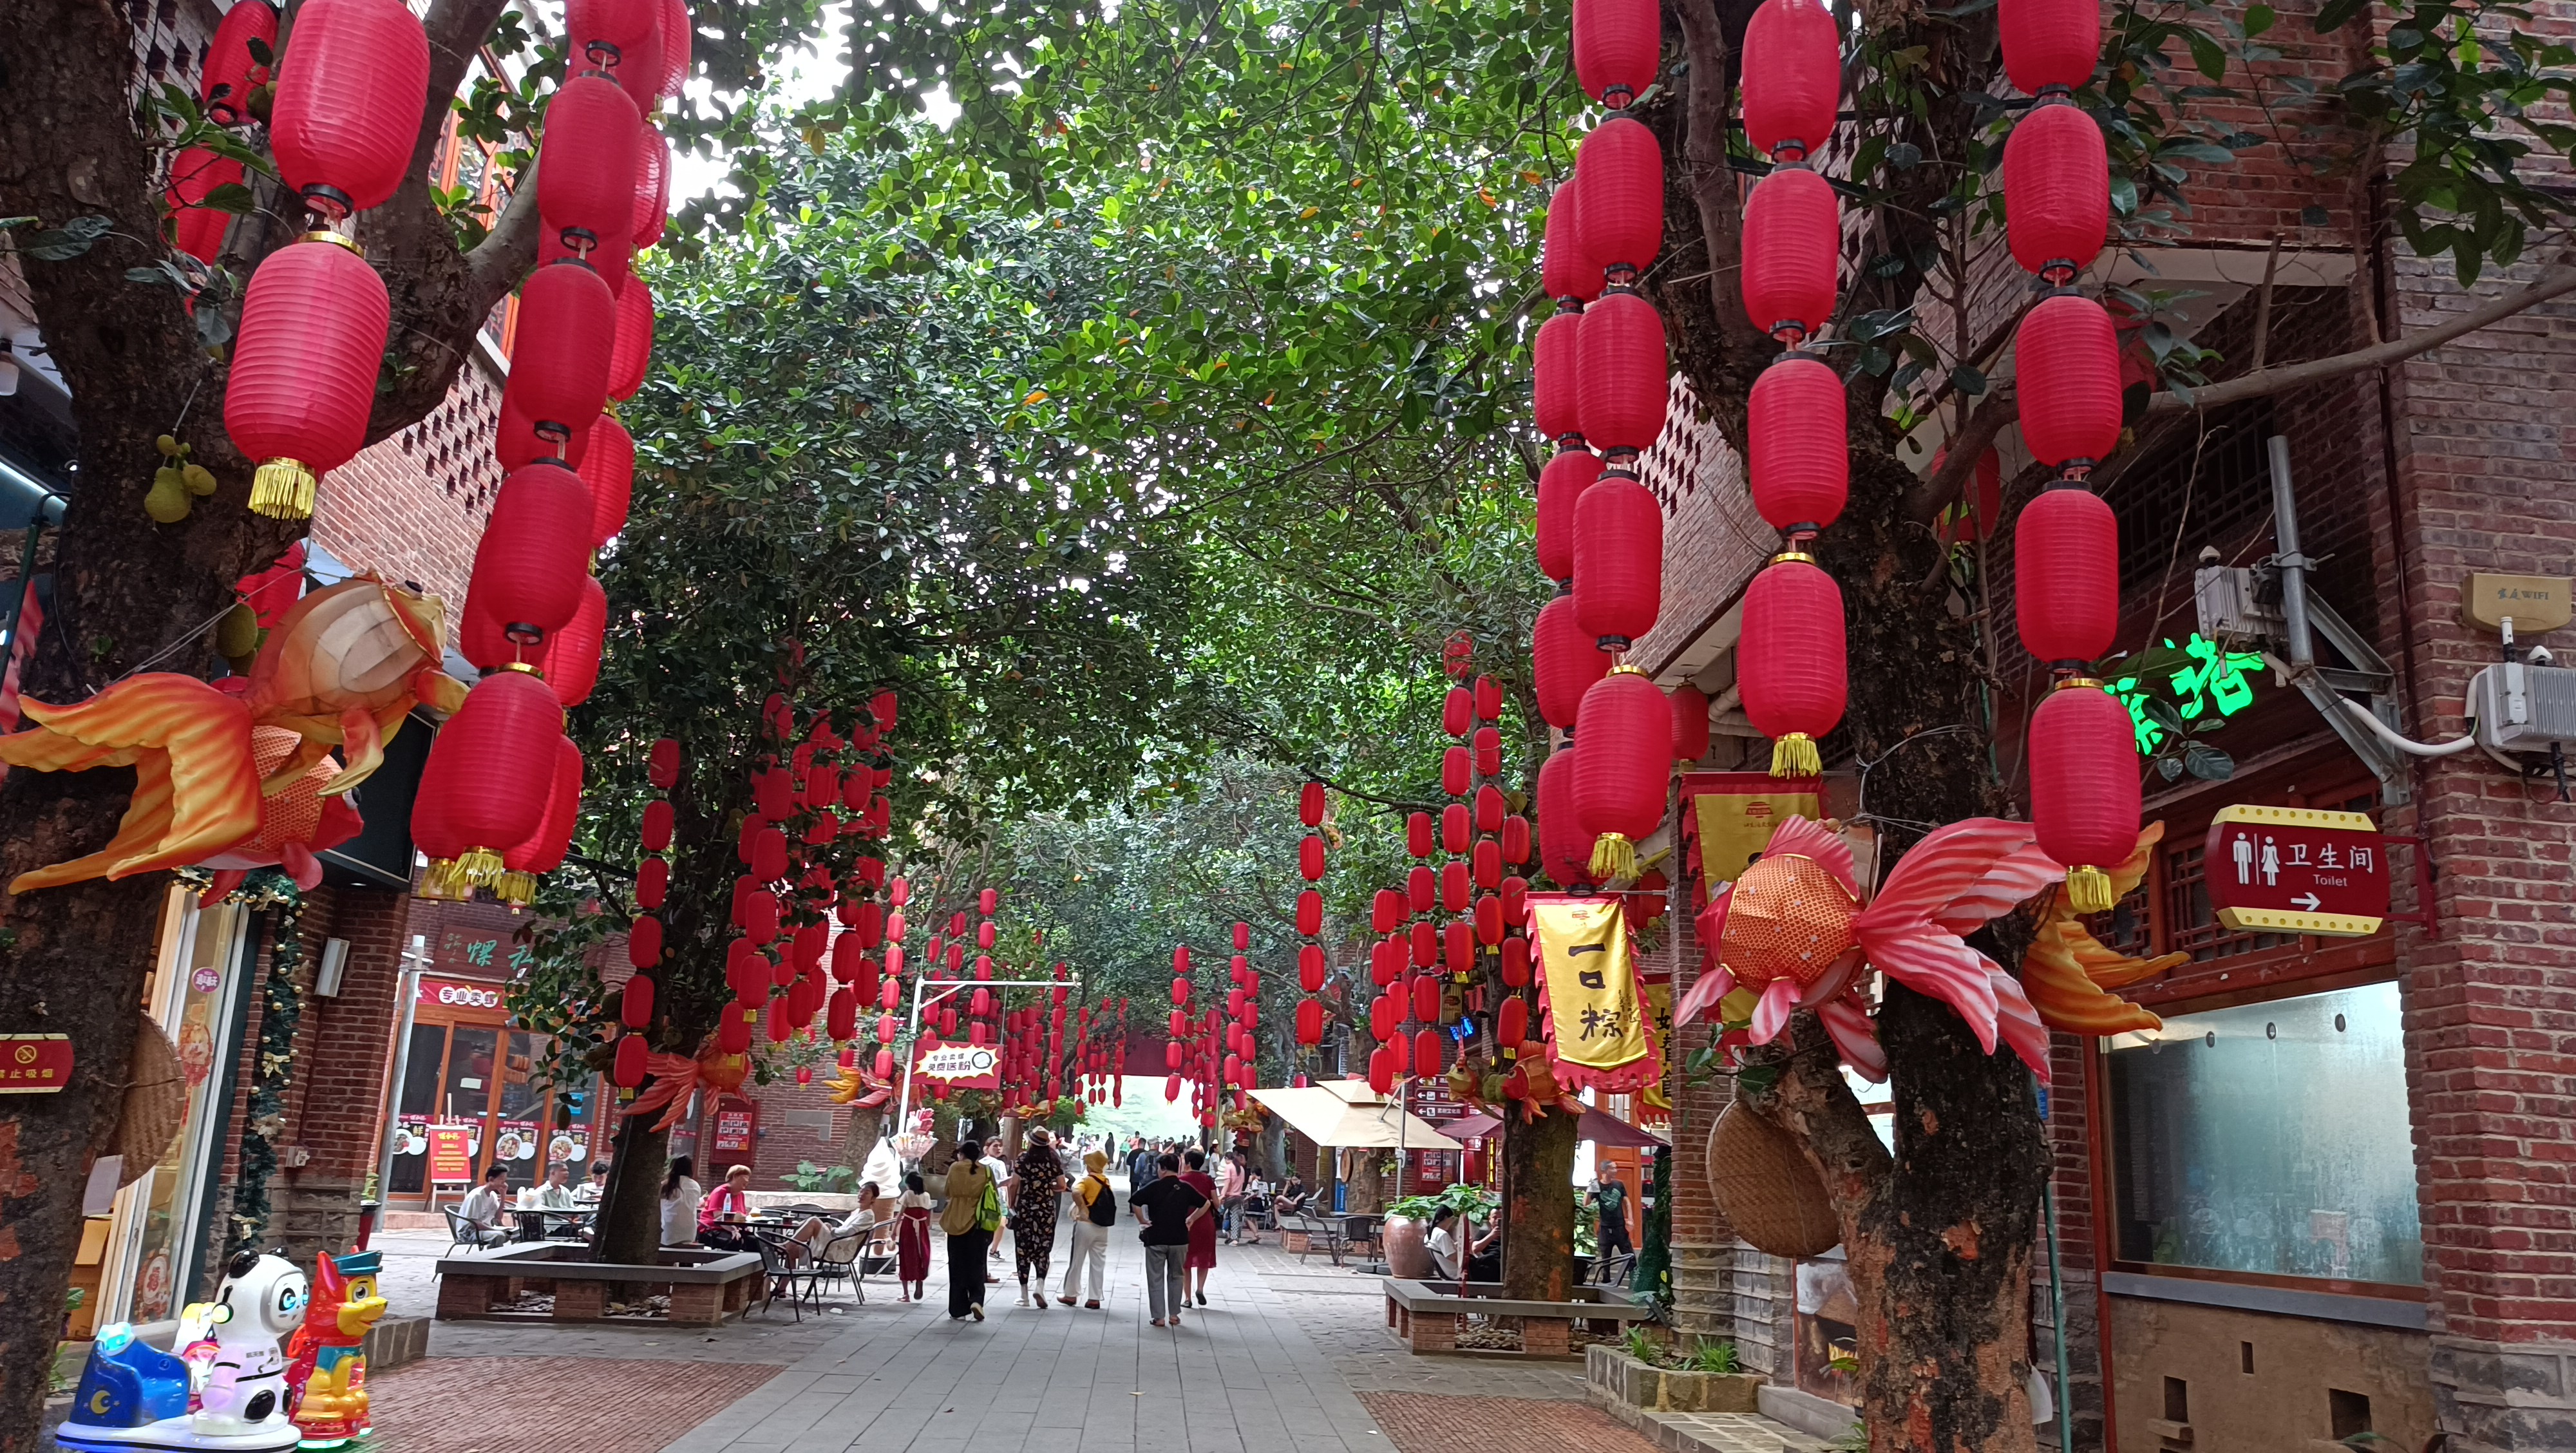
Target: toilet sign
x=2296 y=870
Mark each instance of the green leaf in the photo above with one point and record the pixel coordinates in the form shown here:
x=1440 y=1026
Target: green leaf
x=2168 y=768
x=2337 y=14
x=68 y=241
x=2259 y=18
x=2207 y=763
x=232 y=197
x=1968 y=381
x=2207 y=54
x=2161 y=712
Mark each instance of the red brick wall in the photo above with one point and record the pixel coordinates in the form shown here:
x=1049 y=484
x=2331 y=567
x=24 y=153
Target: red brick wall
x=412 y=507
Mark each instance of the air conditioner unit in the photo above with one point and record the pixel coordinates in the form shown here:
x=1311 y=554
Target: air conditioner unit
x=2524 y=708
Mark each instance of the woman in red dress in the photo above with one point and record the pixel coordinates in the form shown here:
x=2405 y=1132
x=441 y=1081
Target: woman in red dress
x=1202 y=1257
x=912 y=1238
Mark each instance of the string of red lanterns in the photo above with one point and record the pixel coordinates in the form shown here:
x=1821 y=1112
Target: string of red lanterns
x=2056 y=175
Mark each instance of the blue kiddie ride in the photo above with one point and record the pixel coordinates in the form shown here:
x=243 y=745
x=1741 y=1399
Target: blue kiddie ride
x=135 y=1396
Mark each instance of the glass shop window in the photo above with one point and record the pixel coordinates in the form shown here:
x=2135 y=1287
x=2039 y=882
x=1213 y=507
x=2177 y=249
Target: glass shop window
x=2268 y=1139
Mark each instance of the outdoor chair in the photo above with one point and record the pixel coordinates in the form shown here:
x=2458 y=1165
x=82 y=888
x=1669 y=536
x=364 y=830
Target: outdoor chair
x=460 y=1232
x=775 y=1273
x=1612 y=1271
x=878 y=1255
x=837 y=1261
x=1323 y=1231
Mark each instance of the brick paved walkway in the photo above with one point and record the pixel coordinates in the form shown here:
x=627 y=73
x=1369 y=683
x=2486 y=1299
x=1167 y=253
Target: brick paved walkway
x=1286 y=1358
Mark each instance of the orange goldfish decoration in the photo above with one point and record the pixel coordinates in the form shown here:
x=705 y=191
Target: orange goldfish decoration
x=293 y=825
x=674 y=1076
x=856 y=1087
x=342 y=667
x=1793 y=931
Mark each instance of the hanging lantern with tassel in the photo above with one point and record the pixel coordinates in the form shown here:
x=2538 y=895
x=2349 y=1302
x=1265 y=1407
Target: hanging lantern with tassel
x=2084 y=792
x=1620 y=768
x=304 y=365
x=1790 y=661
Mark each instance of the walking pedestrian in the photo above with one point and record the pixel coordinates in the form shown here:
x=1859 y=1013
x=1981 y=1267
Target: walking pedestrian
x=1095 y=1210
x=912 y=1239
x=1610 y=1206
x=1172 y=1211
x=972 y=1215
x=1003 y=1175
x=1034 y=1192
x=1233 y=1179
x=1202 y=1257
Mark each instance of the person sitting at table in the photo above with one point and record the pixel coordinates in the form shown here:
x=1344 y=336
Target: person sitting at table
x=680 y=1198
x=1293 y=1196
x=590 y=1192
x=1485 y=1253
x=1443 y=1244
x=555 y=1195
x=817 y=1233
x=482 y=1207
x=723 y=1213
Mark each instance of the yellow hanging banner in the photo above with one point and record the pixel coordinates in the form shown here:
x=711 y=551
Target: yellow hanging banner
x=1598 y=1032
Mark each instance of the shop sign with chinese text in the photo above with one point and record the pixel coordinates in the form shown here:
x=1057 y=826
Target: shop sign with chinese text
x=959 y=1066
x=2296 y=870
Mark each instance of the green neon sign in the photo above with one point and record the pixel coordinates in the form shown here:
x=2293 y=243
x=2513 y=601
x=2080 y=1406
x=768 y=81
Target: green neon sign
x=2201 y=687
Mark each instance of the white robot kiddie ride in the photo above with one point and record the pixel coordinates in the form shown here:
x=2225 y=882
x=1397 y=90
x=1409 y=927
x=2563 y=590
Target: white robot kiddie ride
x=133 y=1396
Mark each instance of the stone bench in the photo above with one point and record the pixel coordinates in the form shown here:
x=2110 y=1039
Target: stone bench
x=1428 y=1315
x=705 y=1285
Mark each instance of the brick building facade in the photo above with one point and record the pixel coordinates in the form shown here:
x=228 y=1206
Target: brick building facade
x=2404 y=1262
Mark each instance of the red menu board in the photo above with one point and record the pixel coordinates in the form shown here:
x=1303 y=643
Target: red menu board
x=737 y=1126
x=451 y=1153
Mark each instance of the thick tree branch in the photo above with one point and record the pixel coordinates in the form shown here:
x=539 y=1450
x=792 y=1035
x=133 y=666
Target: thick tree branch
x=506 y=253
x=2267 y=381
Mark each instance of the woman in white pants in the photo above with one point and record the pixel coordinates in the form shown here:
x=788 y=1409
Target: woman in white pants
x=1095 y=1210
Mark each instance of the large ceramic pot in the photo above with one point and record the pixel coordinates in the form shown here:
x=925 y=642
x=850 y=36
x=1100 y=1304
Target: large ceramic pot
x=1407 y=1256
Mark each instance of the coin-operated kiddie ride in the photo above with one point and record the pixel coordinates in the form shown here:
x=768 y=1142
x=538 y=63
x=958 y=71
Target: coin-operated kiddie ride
x=133 y=1395
x=326 y=1364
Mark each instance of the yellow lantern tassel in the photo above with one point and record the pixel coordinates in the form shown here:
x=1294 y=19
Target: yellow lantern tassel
x=443 y=881
x=1613 y=856
x=516 y=889
x=2088 y=890
x=282 y=490
x=479 y=867
x=1795 y=755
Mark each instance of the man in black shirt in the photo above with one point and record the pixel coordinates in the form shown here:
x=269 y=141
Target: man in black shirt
x=1168 y=1207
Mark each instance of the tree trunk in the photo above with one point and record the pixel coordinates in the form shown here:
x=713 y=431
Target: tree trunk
x=865 y=1129
x=1367 y=1195
x=630 y=1210
x=1538 y=1173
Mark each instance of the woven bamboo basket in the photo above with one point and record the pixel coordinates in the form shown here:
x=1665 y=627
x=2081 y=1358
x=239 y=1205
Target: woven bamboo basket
x=1766 y=1188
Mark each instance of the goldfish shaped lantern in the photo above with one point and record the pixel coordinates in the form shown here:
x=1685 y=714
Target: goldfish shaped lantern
x=326 y=1363
x=1531 y=1082
x=2066 y=971
x=293 y=825
x=674 y=1076
x=856 y=1087
x=342 y=667
x=1793 y=931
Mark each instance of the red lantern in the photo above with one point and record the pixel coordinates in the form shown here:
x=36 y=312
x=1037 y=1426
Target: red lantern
x=2050 y=45
x=1790 y=661
x=304 y=366
x=643 y=950
x=490 y=770
x=1511 y=1021
x=1489 y=920
x=1385 y=1013
x=1622 y=214
x=1425 y=946
x=1560 y=485
x=1516 y=965
x=1310 y=912
x=629 y=1071
x=1457 y=711
x=1793 y=78
x=677 y=43
x=559 y=361
x=231 y=73
x=652 y=188
x=842 y=1020
x=1310 y=968
x=1310 y=858
x=1566 y=271
x=1453 y=886
x=1516 y=839
x=1421 y=889
x=2084 y=787
x=1793 y=236
x=1515 y=897
x=1454 y=771
x=1489 y=699
x=1426 y=1052
x=657 y=826
x=609 y=470
x=1554 y=363
x=1798 y=457
x=586 y=164
x=1491 y=805
x=1620 y=767
x=652 y=882
x=199 y=229
x=346 y=111
x=531 y=564
x=1310 y=1022
x=571 y=661
x=1565 y=661
x=2066 y=569
x=1622 y=379
x=1690 y=723
x=1310 y=804
x=662 y=763
x=1386 y=911
x=2066 y=369
x=630 y=356
x=1618 y=44
x=1426 y=999
x=1487 y=748
x=2057 y=191
x=1618 y=561
x=606 y=32
x=1454 y=828
x=1417 y=834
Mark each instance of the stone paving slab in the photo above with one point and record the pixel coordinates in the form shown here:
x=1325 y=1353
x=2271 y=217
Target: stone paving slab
x=515 y=1405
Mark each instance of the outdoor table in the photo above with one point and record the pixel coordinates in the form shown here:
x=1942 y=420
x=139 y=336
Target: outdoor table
x=532 y=1221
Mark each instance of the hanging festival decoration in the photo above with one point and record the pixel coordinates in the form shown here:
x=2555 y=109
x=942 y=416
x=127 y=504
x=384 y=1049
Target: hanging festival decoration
x=1621 y=766
x=304 y=365
x=1790 y=661
x=346 y=112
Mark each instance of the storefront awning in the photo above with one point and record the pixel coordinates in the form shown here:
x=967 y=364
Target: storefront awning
x=1328 y=1118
